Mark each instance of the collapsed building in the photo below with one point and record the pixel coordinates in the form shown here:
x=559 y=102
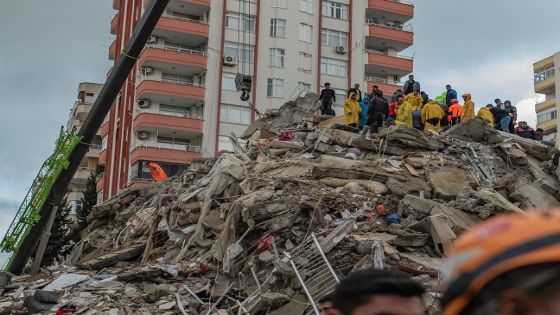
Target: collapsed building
x=273 y=226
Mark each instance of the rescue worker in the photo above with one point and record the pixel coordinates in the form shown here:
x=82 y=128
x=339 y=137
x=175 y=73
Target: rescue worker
x=416 y=101
x=525 y=131
x=410 y=85
x=451 y=95
x=508 y=265
x=378 y=110
x=432 y=115
x=158 y=173
x=355 y=89
x=468 y=108
x=440 y=100
x=455 y=113
x=352 y=110
x=486 y=115
x=404 y=112
x=364 y=105
x=425 y=97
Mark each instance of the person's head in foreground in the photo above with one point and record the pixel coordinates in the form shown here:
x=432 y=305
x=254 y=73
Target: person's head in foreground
x=509 y=265
x=378 y=292
x=325 y=305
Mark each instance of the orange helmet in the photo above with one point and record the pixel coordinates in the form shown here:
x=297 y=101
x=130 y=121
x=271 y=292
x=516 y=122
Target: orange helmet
x=494 y=248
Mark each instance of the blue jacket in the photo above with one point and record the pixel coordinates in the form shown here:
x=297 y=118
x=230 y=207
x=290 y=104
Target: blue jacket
x=364 y=113
x=451 y=95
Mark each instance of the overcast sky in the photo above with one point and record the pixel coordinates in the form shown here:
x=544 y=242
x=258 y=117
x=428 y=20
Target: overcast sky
x=486 y=48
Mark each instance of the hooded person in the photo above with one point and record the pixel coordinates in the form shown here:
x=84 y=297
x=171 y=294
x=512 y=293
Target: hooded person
x=512 y=110
x=432 y=115
x=486 y=115
x=416 y=101
x=468 y=108
x=364 y=106
x=352 y=110
x=377 y=113
x=441 y=101
x=455 y=112
x=404 y=113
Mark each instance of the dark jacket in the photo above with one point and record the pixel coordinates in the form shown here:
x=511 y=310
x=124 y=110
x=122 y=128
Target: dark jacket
x=425 y=97
x=451 y=95
x=409 y=87
x=357 y=91
x=327 y=96
x=528 y=132
x=378 y=105
x=499 y=113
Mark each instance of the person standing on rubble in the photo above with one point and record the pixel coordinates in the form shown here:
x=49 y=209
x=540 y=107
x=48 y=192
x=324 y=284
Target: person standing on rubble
x=501 y=118
x=416 y=102
x=499 y=103
x=396 y=94
x=410 y=85
x=371 y=292
x=468 y=107
x=378 y=111
x=539 y=134
x=352 y=110
x=451 y=95
x=404 y=112
x=425 y=97
x=524 y=131
x=355 y=89
x=508 y=265
x=455 y=113
x=486 y=115
x=327 y=99
x=393 y=110
x=512 y=110
x=432 y=115
x=364 y=106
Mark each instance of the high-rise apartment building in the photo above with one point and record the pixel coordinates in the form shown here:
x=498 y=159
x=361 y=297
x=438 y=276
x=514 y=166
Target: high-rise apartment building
x=547 y=83
x=182 y=101
x=87 y=94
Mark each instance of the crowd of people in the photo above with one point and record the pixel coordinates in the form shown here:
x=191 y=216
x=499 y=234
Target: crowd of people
x=413 y=107
x=505 y=266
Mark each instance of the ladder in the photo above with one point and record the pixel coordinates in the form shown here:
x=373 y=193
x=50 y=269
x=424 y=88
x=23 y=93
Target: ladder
x=28 y=213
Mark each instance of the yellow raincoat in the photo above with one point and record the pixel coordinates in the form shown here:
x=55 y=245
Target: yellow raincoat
x=415 y=101
x=404 y=114
x=487 y=115
x=351 y=110
x=431 y=111
x=468 y=108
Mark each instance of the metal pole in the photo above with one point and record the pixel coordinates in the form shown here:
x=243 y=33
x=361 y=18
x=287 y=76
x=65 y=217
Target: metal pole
x=91 y=125
x=309 y=296
x=43 y=243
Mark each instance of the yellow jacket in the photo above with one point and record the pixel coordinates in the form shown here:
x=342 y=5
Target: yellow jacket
x=487 y=115
x=351 y=110
x=429 y=112
x=404 y=114
x=414 y=100
x=468 y=108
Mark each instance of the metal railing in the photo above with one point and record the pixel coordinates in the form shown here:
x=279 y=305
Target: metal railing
x=384 y=53
x=177 y=49
x=165 y=146
x=168 y=113
x=404 y=28
x=95 y=146
x=383 y=80
x=171 y=16
x=402 y=1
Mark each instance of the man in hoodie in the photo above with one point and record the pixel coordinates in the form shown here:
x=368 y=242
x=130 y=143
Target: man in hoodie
x=352 y=110
x=404 y=112
x=501 y=118
x=364 y=106
x=410 y=85
x=512 y=110
x=378 y=110
x=431 y=116
x=416 y=101
x=486 y=115
x=468 y=108
x=451 y=95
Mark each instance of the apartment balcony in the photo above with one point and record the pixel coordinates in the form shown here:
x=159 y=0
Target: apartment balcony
x=188 y=3
x=545 y=105
x=547 y=126
x=547 y=86
x=165 y=152
x=380 y=62
x=81 y=176
x=387 y=86
x=115 y=24
x=94 y=151
x=170 y=90
x=112 y=50
x=173 y=60
x=153 y=122
x=102 y=157
x=100 y=182
x=392 y=10
x=104 y=129
x=382 y=37
x=186 y=31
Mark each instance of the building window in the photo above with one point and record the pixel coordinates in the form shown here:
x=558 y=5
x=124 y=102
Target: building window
x=335 y=10
x=140 y=170
x=304 y=61
x=334 y=38
x=546 y=116
x=340 y=96
x=544 y=74
x=305 y=32
x=280 y=4
x=240 y=22
x=278 y=28
x=176 y=78
x=242 y=52
x=303 y=88
x=177 y=111
x=104 y=142
x=275 y=87
x=334 y=67
x=277 y=57
x=181 y=47
x=228 y=82
x=306 y=6
x=235 y=114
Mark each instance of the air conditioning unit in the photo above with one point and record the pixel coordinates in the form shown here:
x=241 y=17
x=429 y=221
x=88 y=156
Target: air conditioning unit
x=143 y=135
x=143 y=103
x=152 y=39
x=230 y=60
x=147 y=70
x=340 y=49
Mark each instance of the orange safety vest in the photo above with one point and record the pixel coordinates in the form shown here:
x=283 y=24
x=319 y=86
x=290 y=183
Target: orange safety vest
x=157 y=172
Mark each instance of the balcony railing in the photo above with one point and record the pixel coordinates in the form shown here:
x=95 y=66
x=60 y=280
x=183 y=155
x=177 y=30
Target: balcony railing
x=139 y=111
x=95 y=146
x=171 y=16
x=177 y=49
x=405 y=28
x=383 y=80
x=166 y=146
x=371 y=51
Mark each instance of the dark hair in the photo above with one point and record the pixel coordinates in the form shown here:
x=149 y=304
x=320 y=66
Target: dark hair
x=507 y=102
x=378 y=93
x=325 y=299
x=327 y=84
x=540 y=130
x=449 y=85
x=358 y=287
x=497 y=100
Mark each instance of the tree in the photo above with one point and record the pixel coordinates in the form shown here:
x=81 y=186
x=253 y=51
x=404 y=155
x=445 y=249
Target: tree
x=88 y=200
x=61 y=234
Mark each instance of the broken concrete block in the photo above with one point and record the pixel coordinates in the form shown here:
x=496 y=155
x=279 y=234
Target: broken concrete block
x=48 y=296
x=412 y=185
x=113 y=257
x=420 y=204
x=296 y=306
x=449 y=182
x=498 y=200
x=35 y=306
x=531 y=195
x=369 y=185
x=336 y=236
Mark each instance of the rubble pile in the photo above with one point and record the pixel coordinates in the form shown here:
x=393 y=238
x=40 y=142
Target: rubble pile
x=302 y=203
